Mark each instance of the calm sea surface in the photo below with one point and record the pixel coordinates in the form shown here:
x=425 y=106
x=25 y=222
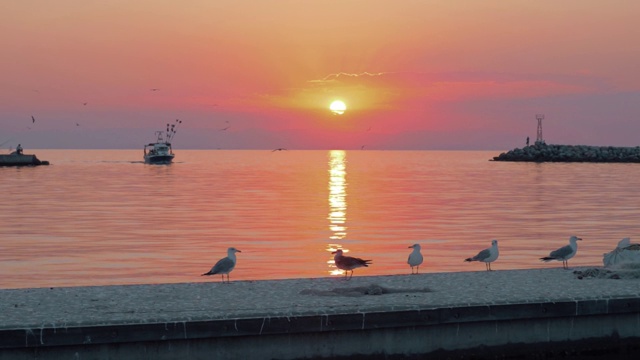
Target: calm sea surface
x=102 y=217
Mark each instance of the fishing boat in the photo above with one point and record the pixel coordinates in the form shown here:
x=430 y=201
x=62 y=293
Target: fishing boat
x=161 y=152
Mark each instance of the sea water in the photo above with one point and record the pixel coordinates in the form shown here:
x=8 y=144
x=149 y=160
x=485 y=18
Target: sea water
x=103 y=217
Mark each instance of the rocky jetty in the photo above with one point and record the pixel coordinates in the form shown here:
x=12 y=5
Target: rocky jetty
x=541 y=152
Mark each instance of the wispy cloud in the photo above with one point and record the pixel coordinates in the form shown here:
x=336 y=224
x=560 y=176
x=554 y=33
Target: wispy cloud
x=451 y=86
x=331 y=78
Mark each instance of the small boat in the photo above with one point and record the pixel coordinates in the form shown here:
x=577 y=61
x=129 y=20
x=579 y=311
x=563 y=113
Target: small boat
x=160 y=152
x=16 y=159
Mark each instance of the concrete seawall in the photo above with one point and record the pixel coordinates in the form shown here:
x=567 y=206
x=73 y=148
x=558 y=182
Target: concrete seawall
x=499 y=312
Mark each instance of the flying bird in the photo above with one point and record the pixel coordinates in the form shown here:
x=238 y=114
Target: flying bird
x=84 y=103
x=415 y=258
x=487 y=256
x=154 y=89
x=223 y=129
x=278 y=149
x=33 y=120
x=348 y=263
x=564 y=253
x=225 y=265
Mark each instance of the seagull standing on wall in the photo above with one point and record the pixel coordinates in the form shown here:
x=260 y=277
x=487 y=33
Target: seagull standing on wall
x=564 y=253
x=348 y=263
x=225 y=265
x=487 y=256
x=415 y=258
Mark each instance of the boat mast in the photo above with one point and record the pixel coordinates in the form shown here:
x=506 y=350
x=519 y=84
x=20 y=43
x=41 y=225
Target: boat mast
x=172 y=129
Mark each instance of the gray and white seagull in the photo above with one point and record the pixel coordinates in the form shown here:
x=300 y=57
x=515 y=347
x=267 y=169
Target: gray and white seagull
x=564 y=253
x=225 y=265
x=415 y=258
x=487 y=256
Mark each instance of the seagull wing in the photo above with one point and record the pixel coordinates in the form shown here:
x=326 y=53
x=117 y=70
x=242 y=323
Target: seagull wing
x=349 y=263
x=415 y=258
x=562 y=252
x=482 y=255
x=223 y=266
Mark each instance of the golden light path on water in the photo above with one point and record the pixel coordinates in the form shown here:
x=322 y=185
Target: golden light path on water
x=103 y=217
x=337 y=204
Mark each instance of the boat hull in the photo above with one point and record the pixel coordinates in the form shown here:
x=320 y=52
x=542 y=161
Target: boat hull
x=21 y=160
x=158 y=159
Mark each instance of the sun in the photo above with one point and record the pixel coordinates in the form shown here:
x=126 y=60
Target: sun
x=338 y=107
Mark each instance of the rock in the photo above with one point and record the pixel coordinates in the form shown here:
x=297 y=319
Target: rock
x=541 y=152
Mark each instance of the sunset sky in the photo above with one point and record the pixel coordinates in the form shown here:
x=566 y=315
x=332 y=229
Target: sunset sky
x=423 y=74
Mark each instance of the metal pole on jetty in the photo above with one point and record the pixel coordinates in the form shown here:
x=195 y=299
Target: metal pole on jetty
x=539 y=139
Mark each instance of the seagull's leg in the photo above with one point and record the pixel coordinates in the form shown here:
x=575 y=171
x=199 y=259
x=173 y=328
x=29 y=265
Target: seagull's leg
x=417 y=269
x=222 y=278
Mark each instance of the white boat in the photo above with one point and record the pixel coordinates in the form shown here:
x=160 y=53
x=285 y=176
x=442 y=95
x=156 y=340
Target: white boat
x=160 y=152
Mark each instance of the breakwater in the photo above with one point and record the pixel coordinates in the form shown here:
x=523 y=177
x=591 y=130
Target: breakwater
x=541 y=152
x=499 y=314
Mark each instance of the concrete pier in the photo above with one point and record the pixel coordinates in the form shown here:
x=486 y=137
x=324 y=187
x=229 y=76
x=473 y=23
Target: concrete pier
x=492 y=314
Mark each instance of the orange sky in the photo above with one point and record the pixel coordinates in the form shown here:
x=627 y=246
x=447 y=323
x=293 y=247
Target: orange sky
x=421 y=74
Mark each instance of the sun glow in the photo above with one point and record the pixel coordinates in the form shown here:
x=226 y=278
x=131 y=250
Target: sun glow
x=338 y=107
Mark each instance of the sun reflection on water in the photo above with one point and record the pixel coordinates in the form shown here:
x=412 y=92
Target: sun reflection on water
x=337 y=204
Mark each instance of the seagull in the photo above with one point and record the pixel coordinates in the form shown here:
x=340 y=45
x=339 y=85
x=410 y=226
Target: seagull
x=33 y=120
x=84 y=103
x=564 y=253
x=278 y=149
x=154 y=89
x=348 y=263
x=415 y=258
x=487 y=255
x=225 y=265
x=223 y=129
